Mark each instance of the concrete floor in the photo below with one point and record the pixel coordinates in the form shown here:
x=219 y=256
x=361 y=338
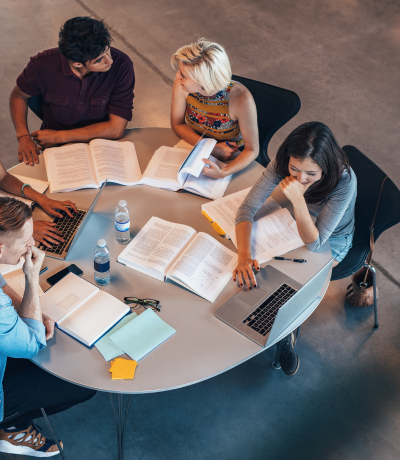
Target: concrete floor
x=342 y=59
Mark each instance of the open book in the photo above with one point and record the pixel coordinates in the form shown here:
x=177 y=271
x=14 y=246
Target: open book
x=39 y=185
x=274 y=230
x=78 y=166
x=81 y=310
x=178 y=168
x=15 y=277
x=194 y=260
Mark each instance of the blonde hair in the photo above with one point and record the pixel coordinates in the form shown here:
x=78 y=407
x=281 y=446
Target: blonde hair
x=206 y=63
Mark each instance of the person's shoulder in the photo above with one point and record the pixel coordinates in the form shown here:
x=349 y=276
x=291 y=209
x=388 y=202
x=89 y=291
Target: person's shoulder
x=240 y=93
x=120 y=56
x=46 y=55
x=347 y=182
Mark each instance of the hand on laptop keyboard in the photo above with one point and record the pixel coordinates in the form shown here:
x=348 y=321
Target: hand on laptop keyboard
x=46 y=233
x=56 y=208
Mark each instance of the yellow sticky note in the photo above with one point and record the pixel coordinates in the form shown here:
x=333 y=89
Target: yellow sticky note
x=123 y=368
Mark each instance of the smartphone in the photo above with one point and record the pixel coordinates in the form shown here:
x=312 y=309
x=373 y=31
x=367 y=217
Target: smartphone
x=60 y=275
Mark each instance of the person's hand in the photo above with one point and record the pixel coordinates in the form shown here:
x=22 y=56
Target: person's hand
x=49 y=326
x=243 y=272
x=28 y=151
x=293 y=189
x=33 y=261
x=213 y=170
x=45 y=138
x=223 y=151
x=50 y=206
x=45 y=233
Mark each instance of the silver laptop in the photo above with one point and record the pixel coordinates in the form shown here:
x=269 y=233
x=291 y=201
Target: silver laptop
x=70 y=227
x=264 y=312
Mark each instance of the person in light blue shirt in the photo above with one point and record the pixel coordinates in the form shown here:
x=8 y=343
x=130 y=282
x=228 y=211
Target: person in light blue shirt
x=25 y=388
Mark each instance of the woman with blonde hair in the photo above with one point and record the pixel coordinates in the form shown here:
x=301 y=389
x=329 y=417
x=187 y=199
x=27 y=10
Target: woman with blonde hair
x=205 y=99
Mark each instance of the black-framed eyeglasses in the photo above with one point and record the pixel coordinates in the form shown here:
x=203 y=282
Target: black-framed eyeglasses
x=146 y=303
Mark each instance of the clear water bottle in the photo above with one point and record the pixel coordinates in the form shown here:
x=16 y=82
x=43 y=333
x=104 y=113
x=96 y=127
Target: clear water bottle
x=101 y=263
x=122 y=223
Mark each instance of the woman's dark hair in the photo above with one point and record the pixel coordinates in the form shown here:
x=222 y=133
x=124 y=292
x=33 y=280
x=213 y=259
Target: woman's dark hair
x=314 y=140
x=82 y=39
x=13 y=215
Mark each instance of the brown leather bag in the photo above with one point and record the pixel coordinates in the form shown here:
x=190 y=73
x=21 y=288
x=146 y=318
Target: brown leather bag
x=360 y=293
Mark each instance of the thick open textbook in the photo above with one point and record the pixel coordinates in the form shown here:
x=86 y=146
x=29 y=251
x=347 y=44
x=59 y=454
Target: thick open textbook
x=180 y=169
x=194 y=260
x=78 y=166
x=81 y=310
x=274 y=230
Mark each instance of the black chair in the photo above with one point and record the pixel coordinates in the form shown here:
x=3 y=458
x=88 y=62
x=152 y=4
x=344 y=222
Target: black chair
x=12 y=417
x=369 y=180
x=275 y=107
x=35 y=103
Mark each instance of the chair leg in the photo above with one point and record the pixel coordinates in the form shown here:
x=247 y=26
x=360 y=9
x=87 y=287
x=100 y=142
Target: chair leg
x=376 y=325
x=53 y=433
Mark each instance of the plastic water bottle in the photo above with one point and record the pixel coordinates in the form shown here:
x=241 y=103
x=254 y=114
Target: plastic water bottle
x=101 y=263
x=122 y=223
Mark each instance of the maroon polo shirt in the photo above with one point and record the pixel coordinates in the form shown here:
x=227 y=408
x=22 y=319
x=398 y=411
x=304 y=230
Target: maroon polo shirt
x=70 y=102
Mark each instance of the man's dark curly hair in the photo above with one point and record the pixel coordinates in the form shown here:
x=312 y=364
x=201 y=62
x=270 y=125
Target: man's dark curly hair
x=82 y=39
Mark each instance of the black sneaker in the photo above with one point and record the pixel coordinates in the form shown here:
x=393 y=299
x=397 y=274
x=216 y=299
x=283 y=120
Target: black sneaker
x=289 y=361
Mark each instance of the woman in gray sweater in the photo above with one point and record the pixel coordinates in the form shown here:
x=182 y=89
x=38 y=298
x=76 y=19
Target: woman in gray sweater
x=314 y=174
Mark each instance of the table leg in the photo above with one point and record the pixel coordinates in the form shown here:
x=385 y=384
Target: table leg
x=120 y=422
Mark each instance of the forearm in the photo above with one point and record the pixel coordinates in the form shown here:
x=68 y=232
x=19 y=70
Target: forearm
x=19 y=114
x=240 y=162
x=30 y=305
x=12 y=185
x=186 y=133
x=102 y=130
x=307 y=230
x=243 y=236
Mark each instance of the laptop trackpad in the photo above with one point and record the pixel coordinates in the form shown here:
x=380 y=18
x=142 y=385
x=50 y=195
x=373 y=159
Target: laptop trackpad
x=252 y=297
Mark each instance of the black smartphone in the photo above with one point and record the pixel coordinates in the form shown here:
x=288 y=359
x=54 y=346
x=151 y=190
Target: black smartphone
x=64 y=272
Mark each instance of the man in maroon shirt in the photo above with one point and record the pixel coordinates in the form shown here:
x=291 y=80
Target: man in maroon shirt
x=85 y=87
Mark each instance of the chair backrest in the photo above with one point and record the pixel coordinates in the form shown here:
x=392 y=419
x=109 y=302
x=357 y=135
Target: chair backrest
x=369 y=181
x=275 y=107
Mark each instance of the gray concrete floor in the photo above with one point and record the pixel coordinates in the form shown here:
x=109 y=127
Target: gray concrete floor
x=342 y=59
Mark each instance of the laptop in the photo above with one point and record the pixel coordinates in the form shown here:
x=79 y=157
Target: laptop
x=70 y=227
x=264 y=312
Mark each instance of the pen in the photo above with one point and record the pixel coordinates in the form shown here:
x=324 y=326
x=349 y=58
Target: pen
x=43 y=270
x=300 y=261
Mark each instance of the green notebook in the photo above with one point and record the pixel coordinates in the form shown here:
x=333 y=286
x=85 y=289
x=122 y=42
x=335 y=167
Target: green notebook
x=107 y=348
x=142 y=335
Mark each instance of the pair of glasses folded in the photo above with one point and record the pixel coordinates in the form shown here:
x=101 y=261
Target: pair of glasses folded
x=146 y=303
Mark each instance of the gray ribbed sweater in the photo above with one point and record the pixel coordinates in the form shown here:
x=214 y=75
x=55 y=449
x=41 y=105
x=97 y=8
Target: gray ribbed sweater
x=335 y=215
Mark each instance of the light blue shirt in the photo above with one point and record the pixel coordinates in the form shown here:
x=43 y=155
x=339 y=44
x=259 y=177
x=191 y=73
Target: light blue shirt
x=19 y=338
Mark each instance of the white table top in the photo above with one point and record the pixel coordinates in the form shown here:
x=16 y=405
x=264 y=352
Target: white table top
x=203 y=346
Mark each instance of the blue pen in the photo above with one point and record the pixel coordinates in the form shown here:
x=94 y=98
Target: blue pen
x=228 y=144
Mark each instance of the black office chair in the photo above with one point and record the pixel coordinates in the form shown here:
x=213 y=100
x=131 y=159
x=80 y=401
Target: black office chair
x=275 y=107
x=12 y=417
x=35 y=103
x=369 y=180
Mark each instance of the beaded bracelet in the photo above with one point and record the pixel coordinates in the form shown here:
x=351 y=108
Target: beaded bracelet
x=22 y=189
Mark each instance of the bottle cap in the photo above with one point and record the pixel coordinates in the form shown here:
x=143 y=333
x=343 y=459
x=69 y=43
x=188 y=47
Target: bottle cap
x=101 y=243
x=122 y=203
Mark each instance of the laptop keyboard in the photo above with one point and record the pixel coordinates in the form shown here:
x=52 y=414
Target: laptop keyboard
x=263 y=317
x=67 y=226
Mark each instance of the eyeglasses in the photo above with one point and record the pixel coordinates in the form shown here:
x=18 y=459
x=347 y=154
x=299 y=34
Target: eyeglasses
x=146 y=303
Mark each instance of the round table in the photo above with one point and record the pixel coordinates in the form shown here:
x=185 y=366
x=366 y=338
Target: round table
x=203 y=346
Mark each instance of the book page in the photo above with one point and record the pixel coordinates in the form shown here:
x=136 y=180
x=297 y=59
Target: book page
x=162 y=171
x=69 y=167
x=95 y=317
x=207 y=186
x=205 y=266
x=224 y=210
x=273 y=235
x=193 y=164
x=115 y=161
x=157 y=245
x=66 y=296
x=16 y=280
